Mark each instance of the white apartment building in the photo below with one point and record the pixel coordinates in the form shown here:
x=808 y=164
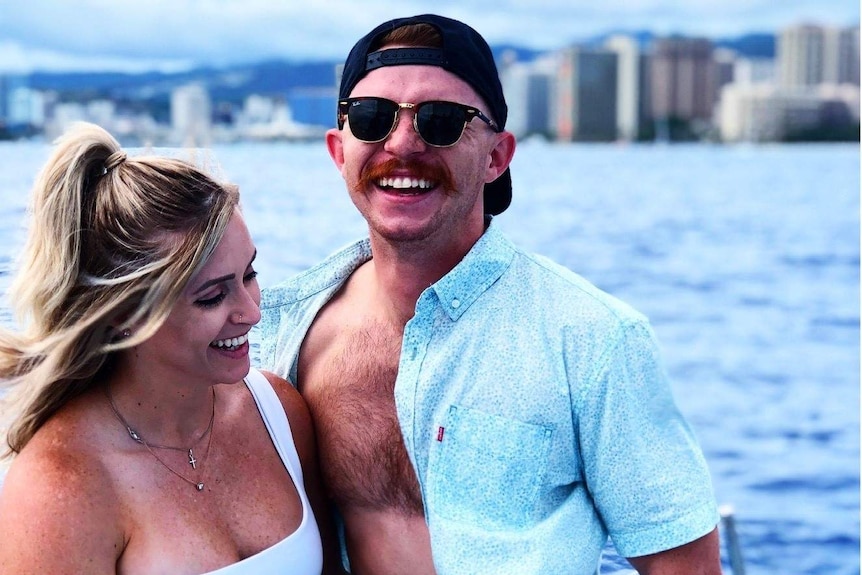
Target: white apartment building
x=26 y=106
x=810 y=54
x=628 y=85
x=754 y=70
x=768 y=113
x=529 y=88
x=191 y=116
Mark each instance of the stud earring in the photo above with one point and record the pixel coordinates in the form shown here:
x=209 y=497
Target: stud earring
x=126 y=333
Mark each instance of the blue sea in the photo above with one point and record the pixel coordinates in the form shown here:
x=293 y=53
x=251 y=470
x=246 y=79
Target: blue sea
x=745 y=258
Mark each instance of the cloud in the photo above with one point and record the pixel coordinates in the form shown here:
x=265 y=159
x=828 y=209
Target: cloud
x=169 y=33
x=15 y=59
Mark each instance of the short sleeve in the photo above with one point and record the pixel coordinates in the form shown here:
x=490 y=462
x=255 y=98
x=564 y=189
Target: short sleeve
x=642 y=464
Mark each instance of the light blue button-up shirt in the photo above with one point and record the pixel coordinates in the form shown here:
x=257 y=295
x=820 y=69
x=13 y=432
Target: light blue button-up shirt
x=535 y=410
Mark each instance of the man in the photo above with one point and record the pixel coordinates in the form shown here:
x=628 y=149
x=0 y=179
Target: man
x=478 y=409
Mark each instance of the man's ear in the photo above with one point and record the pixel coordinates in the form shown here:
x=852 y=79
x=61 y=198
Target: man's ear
x=335 y=146
x=501 y=156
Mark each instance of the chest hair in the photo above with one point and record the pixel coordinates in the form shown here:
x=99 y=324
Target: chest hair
x=362 y=455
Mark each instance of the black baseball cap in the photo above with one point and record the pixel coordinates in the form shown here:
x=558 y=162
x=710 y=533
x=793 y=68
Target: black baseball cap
x=463 y=52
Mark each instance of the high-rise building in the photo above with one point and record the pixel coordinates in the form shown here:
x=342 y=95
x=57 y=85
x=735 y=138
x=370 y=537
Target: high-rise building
x=841 y=56
x=26 y=108
x=810 y=54
x=725 y=68
x=4 y=100
x=683 y=79
x=629 y=79
x=586 y=95
x=313 y=106
x=800 y=55
x=11 y=87
x=191 y=115
x=529 y=87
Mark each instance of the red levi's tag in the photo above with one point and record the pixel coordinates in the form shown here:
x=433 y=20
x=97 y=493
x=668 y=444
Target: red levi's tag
x=440 y=431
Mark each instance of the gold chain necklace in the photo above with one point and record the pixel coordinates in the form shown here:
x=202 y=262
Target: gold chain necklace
x=199 y=485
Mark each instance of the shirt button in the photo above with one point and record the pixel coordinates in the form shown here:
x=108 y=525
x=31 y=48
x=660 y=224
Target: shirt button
x=456 y=303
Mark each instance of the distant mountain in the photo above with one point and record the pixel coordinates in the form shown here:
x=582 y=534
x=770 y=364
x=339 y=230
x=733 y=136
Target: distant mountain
x=521 y=54
x=278 y=77
x=233 y=83
x=761 y=45
x=85 y=81
x=756 y=45
x=274 y=77
x=643 y=38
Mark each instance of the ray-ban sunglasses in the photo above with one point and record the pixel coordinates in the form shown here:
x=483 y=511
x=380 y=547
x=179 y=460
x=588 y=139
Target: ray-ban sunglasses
x=439 y=123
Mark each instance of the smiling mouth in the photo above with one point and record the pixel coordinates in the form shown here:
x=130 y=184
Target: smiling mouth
x=406 y=185
x=230 y=344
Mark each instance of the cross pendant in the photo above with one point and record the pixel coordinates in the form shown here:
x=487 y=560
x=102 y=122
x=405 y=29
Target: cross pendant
x=192 y=460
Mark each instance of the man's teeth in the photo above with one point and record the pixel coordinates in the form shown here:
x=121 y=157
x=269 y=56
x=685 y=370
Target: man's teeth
x=230 y=343
x=404 y=183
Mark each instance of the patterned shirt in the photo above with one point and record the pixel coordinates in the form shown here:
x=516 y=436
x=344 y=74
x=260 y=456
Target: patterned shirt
x=535 y=410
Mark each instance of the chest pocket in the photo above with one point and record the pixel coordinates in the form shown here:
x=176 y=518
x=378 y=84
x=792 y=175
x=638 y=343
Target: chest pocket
x=486 y=470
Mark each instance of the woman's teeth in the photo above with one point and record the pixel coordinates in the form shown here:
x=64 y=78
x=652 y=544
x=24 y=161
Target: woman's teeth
x=230 y=343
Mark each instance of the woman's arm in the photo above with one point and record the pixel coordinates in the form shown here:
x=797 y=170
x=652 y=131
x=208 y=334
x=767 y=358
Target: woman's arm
x=302 y=428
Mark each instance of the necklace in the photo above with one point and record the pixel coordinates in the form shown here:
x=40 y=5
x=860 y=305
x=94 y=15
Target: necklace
x=199 y=485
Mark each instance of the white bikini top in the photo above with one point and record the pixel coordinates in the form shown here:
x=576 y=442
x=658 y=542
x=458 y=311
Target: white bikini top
x=301 y=552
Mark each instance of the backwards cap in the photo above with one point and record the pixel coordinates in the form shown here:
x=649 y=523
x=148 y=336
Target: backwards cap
x=464 y=53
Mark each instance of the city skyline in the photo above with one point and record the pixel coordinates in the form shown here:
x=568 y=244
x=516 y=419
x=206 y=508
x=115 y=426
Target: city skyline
x=98 y=35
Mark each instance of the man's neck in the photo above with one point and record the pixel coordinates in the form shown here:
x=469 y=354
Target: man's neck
x=402 y=273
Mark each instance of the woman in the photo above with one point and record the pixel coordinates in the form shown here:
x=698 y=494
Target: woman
x=142 y=441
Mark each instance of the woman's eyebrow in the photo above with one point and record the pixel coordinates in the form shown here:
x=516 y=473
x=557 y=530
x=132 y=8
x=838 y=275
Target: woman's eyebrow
x=214 y=281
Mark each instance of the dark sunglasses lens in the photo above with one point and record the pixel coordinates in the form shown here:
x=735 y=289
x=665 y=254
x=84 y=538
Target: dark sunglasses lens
x=370 y=120
x=440 y=123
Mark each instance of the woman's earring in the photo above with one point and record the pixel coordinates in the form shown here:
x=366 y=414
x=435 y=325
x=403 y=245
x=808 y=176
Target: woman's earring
x=126 y=333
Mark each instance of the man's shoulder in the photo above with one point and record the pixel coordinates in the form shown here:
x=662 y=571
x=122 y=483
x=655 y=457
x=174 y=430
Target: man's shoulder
x=569 y=293
x=326 y=275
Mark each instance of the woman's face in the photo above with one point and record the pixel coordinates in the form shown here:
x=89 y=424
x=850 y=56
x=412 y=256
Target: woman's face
x=205 y=337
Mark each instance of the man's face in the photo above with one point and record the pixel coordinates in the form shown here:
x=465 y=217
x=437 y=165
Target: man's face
x=406 y=189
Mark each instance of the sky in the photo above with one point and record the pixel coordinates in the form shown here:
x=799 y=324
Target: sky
x=172 y=35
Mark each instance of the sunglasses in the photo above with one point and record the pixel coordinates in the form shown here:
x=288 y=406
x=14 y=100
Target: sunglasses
x=439 y=123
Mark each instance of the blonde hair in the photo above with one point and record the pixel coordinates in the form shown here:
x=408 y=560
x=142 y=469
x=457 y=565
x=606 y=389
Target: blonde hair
x=112 y=243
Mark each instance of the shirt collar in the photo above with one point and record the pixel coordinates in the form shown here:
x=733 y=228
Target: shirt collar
x=456 y=291
x=481 y=267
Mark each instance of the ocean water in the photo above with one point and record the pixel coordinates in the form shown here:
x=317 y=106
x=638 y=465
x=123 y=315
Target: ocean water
x=745 y=258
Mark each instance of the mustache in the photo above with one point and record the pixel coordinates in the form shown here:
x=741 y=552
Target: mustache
x=434 y=172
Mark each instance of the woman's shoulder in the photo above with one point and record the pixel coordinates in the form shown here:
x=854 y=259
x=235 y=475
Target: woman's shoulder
x=288 y=398
x=297 y=412
x=57 y=490
x=287 y=394
x=65 y=456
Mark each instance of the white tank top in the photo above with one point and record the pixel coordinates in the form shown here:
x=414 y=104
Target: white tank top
x=301 y=552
